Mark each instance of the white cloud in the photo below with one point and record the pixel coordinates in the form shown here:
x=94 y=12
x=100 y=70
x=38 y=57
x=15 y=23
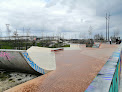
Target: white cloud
x=53 y=16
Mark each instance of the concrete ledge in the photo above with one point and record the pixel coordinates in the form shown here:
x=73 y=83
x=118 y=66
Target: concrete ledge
x=73 y=47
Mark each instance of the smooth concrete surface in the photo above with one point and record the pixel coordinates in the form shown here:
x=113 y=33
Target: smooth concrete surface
x=34 y=60
x=43 y=57
x=75 y=70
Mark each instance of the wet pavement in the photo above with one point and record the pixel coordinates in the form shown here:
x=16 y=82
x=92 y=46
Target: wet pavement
x=75 y=70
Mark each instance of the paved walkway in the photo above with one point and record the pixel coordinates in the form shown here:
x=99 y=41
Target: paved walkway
x=75 y=70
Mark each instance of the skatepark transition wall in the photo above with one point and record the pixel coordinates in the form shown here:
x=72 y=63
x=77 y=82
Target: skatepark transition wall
x=34 y=60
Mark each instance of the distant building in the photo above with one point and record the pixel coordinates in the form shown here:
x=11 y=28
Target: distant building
x=48 y=38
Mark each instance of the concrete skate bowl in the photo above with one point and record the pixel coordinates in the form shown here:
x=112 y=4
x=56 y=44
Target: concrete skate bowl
x=35 y=60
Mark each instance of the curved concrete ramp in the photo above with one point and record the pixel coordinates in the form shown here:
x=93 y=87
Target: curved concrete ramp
x=33 y=60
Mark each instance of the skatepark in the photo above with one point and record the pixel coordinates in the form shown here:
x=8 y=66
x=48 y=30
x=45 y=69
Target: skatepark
x=72 y=69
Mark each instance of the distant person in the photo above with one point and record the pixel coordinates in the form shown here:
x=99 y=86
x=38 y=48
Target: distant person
x=110 y=41
x=116 y=40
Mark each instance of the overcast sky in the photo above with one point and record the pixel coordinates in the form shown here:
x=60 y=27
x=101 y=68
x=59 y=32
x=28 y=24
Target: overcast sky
x=53 y=17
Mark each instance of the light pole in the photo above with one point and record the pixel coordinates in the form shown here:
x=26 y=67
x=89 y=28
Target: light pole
x=106 y=25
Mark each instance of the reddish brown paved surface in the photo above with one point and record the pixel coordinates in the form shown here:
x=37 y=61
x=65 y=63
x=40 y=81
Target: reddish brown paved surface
x=75 y=71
